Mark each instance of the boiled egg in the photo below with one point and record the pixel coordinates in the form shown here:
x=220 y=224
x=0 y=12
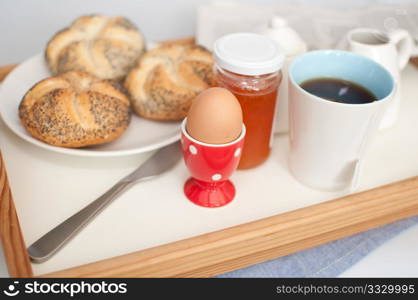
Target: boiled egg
x=215 y=117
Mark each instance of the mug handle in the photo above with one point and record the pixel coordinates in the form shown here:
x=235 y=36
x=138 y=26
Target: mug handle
x=372 y=127
x=404 y=44
x=358 y=164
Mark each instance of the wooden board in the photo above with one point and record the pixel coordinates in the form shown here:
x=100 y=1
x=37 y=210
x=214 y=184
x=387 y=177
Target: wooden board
x=247 y=244
x=414 y=60
x=6 y=70
x=232 y=248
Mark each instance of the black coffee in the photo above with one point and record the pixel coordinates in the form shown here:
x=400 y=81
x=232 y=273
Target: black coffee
x=338 y=90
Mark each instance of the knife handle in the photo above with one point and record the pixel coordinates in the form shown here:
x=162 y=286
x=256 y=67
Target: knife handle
x=55 y=239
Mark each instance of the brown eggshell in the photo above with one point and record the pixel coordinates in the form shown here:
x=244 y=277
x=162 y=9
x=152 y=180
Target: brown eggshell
x=215 y=117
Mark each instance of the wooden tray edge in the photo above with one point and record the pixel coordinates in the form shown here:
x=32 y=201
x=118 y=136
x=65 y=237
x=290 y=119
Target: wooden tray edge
x=11 y=237
x=243 y=245
x=6 y=70
x=414 y=60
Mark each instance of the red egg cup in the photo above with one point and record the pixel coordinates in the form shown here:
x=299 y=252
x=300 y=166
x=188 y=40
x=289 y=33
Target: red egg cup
x=210 y=165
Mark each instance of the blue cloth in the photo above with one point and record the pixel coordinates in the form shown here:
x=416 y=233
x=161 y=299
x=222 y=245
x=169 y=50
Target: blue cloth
x=328 y=260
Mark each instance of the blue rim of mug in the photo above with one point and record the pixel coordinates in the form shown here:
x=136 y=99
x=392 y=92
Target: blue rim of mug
x=377 y=102
x=184 y=131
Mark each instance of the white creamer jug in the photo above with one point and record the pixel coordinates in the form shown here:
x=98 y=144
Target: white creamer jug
x=392 y=50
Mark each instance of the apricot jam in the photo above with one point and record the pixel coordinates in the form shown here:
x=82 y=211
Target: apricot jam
x=249 y=65
x=257 y=96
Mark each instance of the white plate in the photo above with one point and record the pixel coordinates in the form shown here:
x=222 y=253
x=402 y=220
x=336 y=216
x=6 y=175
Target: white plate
x=141 y=136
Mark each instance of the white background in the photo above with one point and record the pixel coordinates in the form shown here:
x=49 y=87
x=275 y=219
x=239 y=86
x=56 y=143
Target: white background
x=26 y=26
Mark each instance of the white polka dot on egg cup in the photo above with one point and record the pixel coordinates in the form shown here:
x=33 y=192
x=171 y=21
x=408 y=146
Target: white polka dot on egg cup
x=192 y=150
x=210 y=165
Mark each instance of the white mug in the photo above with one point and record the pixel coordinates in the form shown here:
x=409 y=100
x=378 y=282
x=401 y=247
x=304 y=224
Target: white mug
x=392 y=50
x=328 y=140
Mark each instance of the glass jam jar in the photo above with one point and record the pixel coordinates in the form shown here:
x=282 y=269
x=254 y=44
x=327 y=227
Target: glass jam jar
x=249 y=65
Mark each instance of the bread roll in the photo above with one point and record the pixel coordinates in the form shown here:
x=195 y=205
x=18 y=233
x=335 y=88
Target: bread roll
x=105 y=47
x=167 y=79
x=74 y=109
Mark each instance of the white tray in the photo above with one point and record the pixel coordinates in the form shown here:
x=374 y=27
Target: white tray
x=48 y=187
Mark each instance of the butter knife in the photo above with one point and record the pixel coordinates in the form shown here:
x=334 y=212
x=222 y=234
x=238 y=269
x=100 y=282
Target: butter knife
x=45 y=247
